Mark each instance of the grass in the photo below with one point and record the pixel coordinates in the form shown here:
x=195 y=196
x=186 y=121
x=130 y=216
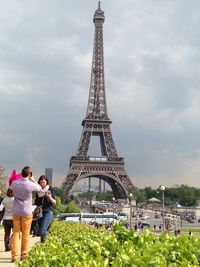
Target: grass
x=184 y=231
x=195 y=231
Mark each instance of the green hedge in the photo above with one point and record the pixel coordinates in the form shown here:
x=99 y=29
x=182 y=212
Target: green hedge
x=73 y=244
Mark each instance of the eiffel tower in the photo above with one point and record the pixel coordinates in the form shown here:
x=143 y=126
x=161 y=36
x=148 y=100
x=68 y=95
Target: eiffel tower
x=109 y=166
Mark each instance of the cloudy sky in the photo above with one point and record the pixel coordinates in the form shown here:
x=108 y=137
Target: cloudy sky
x=152 y=63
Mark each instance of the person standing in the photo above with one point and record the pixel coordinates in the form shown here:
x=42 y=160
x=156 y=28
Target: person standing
x=46 y=200
x=7 y=203
x=22 y=212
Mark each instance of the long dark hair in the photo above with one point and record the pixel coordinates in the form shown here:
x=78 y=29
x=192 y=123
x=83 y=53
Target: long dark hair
x=43 y=177
x=10 y=192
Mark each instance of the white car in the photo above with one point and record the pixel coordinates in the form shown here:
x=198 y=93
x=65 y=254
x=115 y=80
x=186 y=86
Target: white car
x=145 y=217
x=122 y=216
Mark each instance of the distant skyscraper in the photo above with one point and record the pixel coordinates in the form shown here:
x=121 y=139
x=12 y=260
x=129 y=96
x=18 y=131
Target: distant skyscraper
x=49 y=174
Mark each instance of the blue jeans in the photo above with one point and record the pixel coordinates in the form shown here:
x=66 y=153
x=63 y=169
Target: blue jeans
x=45 y=223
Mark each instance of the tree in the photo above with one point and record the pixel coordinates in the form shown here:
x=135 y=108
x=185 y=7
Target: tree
x=71 y=208
x=150 y=192
x=141 y=196
x=59 y=193
x=59 y=206
x=187 y=196
x=108 y=196
x=3 y=180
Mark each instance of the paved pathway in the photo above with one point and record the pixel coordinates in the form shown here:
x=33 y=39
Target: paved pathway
x=5 y=257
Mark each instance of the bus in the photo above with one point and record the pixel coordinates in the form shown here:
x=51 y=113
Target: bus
x=69 y=217
x=99 y=218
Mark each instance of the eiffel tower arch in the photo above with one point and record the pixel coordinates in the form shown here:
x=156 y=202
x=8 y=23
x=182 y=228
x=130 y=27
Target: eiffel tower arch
x=108 y=166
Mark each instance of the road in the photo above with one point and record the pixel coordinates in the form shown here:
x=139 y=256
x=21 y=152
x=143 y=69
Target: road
x=153 y=221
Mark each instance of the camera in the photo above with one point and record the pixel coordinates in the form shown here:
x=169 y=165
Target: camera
x=48 y=192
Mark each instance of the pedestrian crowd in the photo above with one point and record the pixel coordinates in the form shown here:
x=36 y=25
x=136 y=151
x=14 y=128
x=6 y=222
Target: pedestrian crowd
x=18 y=216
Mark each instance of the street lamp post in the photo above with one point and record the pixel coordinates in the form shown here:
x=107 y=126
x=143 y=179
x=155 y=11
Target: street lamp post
x=130 y=204
x=113 y=208
x=181 y=217
x=162 y=188
x=136 y=214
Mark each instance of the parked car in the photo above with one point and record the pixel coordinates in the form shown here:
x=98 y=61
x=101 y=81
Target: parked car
x=143 y=224
x=145 y=217
x=122 y=216
x=190 y=220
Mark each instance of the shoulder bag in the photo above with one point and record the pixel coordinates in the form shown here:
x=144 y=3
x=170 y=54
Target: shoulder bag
x=38 y=212
x=2 y=214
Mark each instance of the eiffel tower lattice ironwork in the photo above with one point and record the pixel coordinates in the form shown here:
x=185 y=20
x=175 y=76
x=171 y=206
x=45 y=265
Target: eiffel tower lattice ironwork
x=109 y=166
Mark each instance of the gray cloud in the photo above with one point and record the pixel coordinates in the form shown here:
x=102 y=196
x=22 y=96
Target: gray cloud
x=152 y=60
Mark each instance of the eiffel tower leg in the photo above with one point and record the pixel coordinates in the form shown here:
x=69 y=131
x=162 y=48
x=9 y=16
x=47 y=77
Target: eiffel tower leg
x=126 y=181
x=121 y=186
x=70 y=180
x=118 y=191
x=109 y=144
x=84 y=144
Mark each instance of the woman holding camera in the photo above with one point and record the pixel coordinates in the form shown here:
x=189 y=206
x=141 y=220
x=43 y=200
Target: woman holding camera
x=46 y=201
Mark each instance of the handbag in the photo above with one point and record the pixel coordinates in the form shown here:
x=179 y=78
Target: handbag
x=38 y=213
x=2 y=214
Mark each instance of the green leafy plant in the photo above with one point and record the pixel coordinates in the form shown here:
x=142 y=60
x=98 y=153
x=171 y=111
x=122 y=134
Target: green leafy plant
x=75 y=244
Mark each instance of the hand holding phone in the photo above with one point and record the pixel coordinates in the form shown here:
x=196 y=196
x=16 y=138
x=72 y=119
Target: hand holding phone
x=48 y=193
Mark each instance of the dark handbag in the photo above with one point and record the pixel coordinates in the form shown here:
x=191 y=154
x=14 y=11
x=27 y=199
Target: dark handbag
x=38 y=213
x=2 y=214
